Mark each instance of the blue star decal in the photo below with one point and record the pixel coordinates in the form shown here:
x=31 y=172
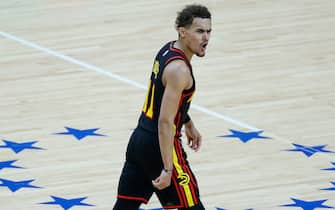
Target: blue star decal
x=330 y=169
x=309 y=150
x=80 y=134
x=331 y=188
x=220 y=208
x=8 y=164
x=308 y=205
x=67 y=203
x=245 y=136
x=16 y=185
x=19 y=147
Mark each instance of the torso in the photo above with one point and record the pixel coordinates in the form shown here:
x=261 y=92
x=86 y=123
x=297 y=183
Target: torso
x=151 y=109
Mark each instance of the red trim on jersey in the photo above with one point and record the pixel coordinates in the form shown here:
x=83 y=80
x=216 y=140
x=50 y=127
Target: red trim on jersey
x=184 y=165
x=182 y=162
x=193 y=185
x=192 y=177
x=177 y=119
x=174 y=58
x=195 y=199
x=173 y=207
x=178 y=57
x=179 y=152
x=172 y=48
x=178 y=134
x=184 y=95
x=132 y=198
x=181 y=194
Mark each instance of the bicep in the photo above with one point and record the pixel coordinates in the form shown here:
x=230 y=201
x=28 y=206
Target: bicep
x=175 y=80
x=170 y=103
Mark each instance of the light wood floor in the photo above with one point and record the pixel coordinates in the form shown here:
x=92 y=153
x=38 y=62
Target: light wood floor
x=270 y=66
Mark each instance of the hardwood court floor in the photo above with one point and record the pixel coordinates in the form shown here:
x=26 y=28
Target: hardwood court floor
x=270 y=66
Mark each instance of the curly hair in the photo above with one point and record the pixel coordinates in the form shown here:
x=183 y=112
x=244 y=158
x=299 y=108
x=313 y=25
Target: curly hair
x=186 y=16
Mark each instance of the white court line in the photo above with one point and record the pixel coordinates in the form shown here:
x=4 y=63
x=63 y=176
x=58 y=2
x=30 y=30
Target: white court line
x=128 y=81
x=119 y=78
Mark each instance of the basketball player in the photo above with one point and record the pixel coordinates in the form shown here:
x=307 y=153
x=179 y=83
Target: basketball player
x=155 y=159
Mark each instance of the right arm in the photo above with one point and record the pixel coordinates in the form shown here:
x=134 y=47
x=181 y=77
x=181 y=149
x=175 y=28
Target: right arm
x=175 y=78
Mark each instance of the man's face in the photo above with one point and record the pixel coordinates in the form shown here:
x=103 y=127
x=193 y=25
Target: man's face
x=197 y=35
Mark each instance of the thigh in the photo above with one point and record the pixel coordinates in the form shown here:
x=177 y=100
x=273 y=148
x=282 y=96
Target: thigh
x=144 y=151
x=134 y=184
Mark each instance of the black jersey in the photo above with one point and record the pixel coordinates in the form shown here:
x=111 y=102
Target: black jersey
x=151 y=108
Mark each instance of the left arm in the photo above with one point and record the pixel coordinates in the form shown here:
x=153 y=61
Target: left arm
x=193 y=136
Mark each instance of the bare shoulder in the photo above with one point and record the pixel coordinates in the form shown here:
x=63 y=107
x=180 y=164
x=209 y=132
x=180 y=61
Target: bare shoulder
x=177 y=72
x=178 y=66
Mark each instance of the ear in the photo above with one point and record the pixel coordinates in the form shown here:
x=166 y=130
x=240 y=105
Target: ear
x=182 y=32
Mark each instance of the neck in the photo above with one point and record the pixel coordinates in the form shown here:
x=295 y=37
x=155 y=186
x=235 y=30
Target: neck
x=180 y=45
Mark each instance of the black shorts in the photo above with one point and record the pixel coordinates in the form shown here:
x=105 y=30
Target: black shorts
x=144 y=164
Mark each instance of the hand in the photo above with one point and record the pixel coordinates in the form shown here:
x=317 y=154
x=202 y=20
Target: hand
x=193 y=136
x=163 y=181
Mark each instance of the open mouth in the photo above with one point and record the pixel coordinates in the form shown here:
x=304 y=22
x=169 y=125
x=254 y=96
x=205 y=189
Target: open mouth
x=204 y=45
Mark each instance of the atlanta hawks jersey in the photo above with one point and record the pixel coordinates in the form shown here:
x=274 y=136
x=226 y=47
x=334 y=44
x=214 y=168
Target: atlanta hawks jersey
x=151 y=108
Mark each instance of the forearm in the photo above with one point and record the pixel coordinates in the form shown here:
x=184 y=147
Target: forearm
x=166 y=137
x=188 y=122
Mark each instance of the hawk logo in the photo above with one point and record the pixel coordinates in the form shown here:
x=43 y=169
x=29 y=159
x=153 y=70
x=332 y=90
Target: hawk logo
x=183 y=179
